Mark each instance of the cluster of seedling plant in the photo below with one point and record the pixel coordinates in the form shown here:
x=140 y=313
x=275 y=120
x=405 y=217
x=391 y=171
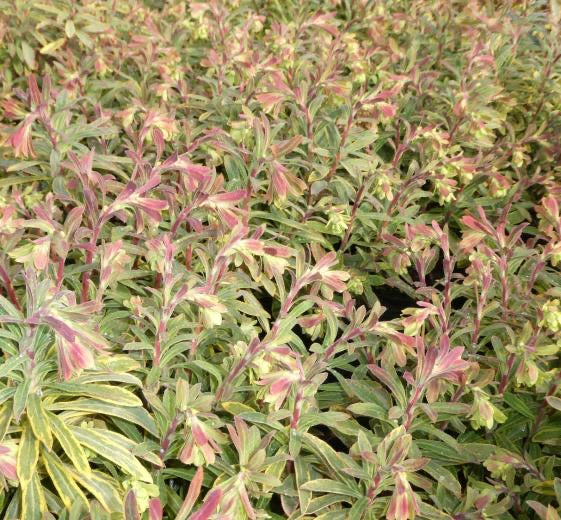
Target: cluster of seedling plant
x=275 y=259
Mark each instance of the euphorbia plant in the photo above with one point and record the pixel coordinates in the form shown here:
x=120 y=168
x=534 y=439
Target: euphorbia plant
x=280 y=259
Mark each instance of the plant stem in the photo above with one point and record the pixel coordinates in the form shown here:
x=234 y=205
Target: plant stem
x=89 y=259
x=411 y=406
x=166 y=442
x=356 y=205
x=506 y=375
x=9 y=288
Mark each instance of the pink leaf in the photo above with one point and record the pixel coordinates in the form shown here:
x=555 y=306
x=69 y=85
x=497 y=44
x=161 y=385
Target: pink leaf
x=470 y=222
x=155 y=509
x=211 y=503
x=193 y=493
x=8 y=461
x=269 y=99
x=228 y=198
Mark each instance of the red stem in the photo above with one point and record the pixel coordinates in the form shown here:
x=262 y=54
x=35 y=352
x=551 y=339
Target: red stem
x=9 y=288
x=166 y=442
x=89 y=259
x=297 y=408
x=411 y=405
x=60 y=273
x=358 y=202
x=506 y=375
x=158 y=343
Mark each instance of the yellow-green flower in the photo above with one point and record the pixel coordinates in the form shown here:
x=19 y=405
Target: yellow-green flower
x=552 y=315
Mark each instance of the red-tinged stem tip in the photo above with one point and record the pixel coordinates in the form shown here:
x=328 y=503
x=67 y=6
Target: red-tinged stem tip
x=9 y=288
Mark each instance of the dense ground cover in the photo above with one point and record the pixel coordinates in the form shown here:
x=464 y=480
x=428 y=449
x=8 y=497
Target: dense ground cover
x=280 y=259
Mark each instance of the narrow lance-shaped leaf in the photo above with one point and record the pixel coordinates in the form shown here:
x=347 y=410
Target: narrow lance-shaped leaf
x=69 y=443
x=131 y=507
x=192 y=494
x=104 y=489
x=28 y=455
x=106 y=393
x=33 y=503
x=67 y=488
x=113 y=447
x=38 y=420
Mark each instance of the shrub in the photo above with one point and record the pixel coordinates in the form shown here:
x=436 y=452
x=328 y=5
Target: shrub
x=280 y=259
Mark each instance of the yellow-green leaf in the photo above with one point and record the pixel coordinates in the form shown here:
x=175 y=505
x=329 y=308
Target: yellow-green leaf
x=28 y=54
x=5 y=419
x=554 y=402
x=69 y=444
x=236 y=408
x=114 y=447
x=33 y=503
x=53 y=46
x=11 y=365
x=107 y=393
x=68 y=490
x=69 y=28
x=18 y=167
x=136 y=415
x=38 y=420
x=327 y=486
x=28 y=454
x=555 y=11
x=19 y=401
x=104 y=489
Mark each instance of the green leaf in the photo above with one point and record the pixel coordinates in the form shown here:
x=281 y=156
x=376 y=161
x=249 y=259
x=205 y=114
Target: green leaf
x=8 y=306
x=554 y=402
x=365 y=390
x=33 y=499
x=444 y=477
x=206 y=366
x=359 y=507
x=106 y=393
x=66 y=486
x=51 y=47
x=10 y=365
x=302 y=474
x=308 y=420
x=5 y=394
x=136 y=415
x=431 y=513
x=519 y=405
x=478 y=451
x=441 y=452
x=557 y=489
x=69 y=28
x=324 y=485
x=20 y=398
x=15 y=180
x=114 y=447
x=370 y=410
x=5 y=419
x=28 y=54
x=327 y=455
x=323 y=502
x=549 y=434
x=360 y=141
x=103 y=488
x=237 y=408
x=69 y=443
x=28 y=455
x=39 y=421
